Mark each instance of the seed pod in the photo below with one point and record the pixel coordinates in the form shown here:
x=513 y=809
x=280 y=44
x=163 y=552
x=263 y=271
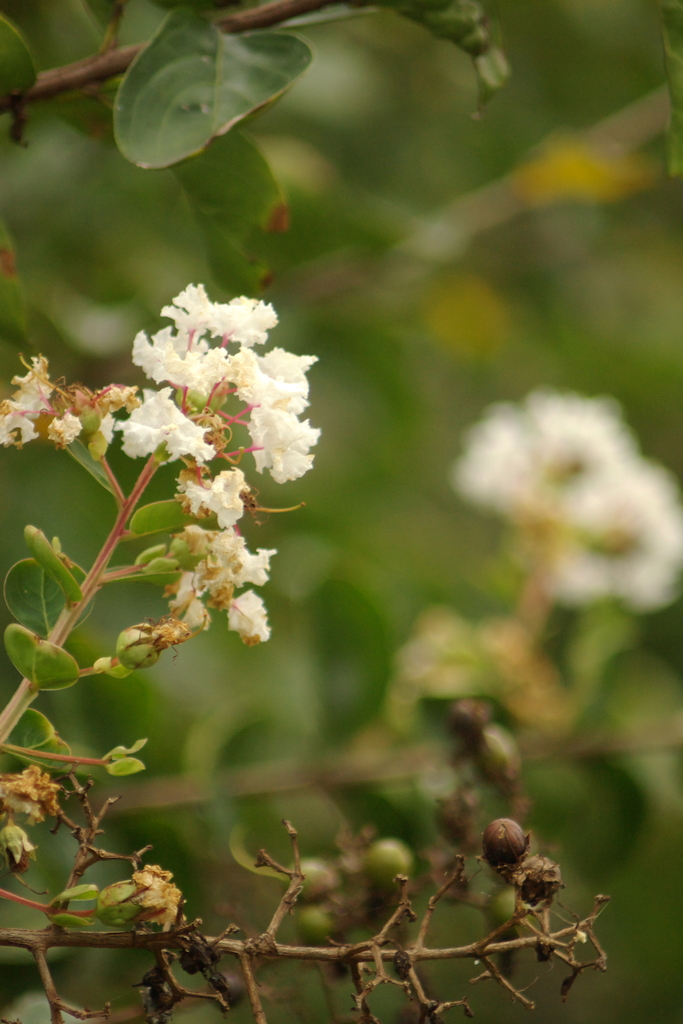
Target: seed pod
x=314 y=924
x=467 y=719
x=385 y=859
x=402 y=964
x=504 y=843
x=135 y=647
x=320 y=879
x=539 y=878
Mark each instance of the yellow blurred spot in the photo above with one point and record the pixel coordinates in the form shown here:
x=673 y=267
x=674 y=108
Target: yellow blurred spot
x=466 y=314
x=568 y=169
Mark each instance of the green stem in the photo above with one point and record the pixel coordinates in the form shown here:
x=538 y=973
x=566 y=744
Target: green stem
x=26 y=692
x=68 y=758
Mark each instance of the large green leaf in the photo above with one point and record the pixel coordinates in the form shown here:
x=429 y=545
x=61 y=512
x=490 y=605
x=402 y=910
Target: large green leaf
x=232 y=191
x=17 y=72
x=193 y=82
x=36 y=732
x=12 y=315
x=47 y=666
x=672 y=35
x=33 y=597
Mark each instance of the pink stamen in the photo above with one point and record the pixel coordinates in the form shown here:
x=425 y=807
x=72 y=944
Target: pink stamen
x=190 y=339
x=243 y=451
x=226 y=339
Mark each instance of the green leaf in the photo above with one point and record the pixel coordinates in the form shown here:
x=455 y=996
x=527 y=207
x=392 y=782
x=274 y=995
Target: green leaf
x=125 y=766
x=71 y=921
x=232 y=191
x=81 y=454
x=118 y=752
x=12 y=315
x=160 y=517
x=32 y=596
x=87 y=891
x=192 y=83
x=671 y=12
x=17 y=72
x=34 y=730
x=45 y=554
x=47 y=666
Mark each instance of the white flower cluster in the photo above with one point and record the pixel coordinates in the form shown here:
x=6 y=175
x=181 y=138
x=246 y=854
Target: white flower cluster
x=274 y=385
x=225 y=564
x=185 y=420
x=569 y=468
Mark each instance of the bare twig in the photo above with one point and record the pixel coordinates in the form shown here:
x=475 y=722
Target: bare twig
x=252 y=990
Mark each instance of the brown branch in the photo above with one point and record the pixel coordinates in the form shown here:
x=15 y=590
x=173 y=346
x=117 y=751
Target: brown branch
x=101 y=66
x=252 y=990
x=57 y=1005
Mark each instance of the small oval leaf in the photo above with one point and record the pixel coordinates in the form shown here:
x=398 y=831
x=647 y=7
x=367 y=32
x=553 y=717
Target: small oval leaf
x=159 y=517
x=33 y=730
x=71 y=921
x=47 y=666
x=47 y=557
x=125 y=766
x=33 y=597
x=87 y=891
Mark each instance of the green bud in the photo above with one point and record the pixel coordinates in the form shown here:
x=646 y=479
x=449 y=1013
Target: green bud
x=97 y=446
x=182 y=554
x=112 y=668
x=385 y=859
x=498 y=756
x=161 y=565
x=194 y=400
x=157 y=551
x=314 y=924
x=134 y=649
x=501 y=906
x=114 y=905
x=321 y=878
x=90 y=421
x=16 y=849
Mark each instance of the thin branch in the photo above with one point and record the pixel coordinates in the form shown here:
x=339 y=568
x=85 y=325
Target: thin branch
x=252 y=990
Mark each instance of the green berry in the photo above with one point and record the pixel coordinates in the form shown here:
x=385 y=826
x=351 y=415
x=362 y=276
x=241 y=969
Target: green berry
x=387 y=858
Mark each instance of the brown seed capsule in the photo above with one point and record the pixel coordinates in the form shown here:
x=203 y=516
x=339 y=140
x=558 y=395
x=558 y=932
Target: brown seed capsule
x=539 y=879
x=466 y=720
x=402 y=964
x=503 y=842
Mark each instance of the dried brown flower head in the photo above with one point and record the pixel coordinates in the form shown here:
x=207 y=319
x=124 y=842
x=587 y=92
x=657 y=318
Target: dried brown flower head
x=32 y=793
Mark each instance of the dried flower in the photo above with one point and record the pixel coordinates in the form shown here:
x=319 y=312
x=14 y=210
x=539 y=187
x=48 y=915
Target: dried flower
x=148 y=896
x=32 y=793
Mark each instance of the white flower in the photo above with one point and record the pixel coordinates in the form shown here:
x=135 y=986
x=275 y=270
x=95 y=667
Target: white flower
x=631 y=524
x=34 y=388
x=283 y=441
x=108 y=426
x=185 y=603
x=229 y=554
x=191 y=310
x=221 y=495
x=64 y=430
x=159 y=420
x=518 y=454
x=568 y=468
x=16 y=427
x=172 y=357
x=247 y=616
x=243 y=320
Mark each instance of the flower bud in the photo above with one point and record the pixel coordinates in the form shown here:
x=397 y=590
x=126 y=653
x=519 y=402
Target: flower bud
x=146 y=556
x=16 y=849
x=148 y=896
x=385 y=859
x=498 y=757
x=97 y=445
x=504 y=843
x=90 y=421
x=501 y=906
x=135 y=648
x=111 y=667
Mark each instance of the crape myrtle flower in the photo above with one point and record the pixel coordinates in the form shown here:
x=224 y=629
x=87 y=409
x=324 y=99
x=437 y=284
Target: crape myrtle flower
x=149 y=896
x=32 y=793
x=566 y=470
x=203 y=360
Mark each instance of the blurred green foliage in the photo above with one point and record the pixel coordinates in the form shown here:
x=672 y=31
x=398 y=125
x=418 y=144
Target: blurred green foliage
x=581 y=291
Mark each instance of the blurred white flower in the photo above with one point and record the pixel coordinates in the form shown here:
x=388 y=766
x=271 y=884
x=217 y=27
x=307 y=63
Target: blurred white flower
x=159 y=420
x=246 y=321
x=568 y=468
